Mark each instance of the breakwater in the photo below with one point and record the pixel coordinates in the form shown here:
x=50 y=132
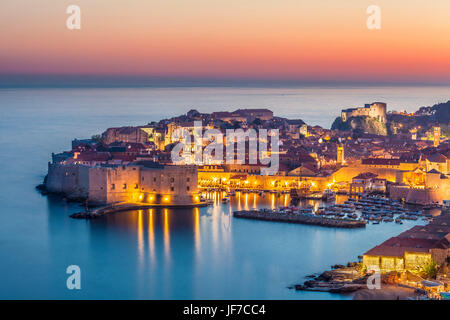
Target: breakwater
x=125 y=206
x=298 y=218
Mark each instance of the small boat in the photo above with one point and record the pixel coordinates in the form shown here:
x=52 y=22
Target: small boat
x=328 y=194
x=225 y=200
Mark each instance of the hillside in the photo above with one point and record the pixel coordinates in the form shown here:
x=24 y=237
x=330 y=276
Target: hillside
x=363 y=124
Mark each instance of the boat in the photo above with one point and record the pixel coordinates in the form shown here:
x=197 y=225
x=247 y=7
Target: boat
x=225 y=200
x=328 y=194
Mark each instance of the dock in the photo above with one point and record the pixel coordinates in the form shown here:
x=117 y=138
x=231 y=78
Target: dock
x=299 y=218
x=126 y=206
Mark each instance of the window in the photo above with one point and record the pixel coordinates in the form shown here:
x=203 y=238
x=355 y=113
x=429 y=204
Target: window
x=188 y=179
x=172 y=179
x=113 y=186
x=154 y=179
x=142 y=178
x=172 y=188
x=136 y=186
x=124 y=186
x=187 y=188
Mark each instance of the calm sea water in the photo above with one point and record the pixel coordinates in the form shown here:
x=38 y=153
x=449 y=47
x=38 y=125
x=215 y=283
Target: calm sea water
x=172 y=254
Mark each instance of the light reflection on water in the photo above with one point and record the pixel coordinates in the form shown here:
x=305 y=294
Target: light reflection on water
x=206 y=253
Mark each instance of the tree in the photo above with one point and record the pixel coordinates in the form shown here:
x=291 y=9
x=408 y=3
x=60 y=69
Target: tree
x=97 y=138
x=429 y=270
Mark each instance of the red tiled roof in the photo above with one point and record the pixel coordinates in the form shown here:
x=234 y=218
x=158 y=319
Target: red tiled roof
x=366 y=175
x=381 y=161
x=397 y=246
x=93 y=156
x=239 y=177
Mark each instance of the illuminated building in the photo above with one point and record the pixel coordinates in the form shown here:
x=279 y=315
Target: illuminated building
x=340 y=155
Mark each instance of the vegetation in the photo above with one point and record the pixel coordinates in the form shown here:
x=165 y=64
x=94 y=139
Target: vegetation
x=97 y=138
x=361 y=268
x=429 y=271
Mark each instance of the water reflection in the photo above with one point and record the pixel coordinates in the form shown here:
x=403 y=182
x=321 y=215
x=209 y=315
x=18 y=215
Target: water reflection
x=197 y=253
x=140 y=235
x=197 y=238
x=151 y=238
x=166 y=236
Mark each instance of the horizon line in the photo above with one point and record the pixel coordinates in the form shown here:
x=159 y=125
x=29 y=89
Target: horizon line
x=16 y=80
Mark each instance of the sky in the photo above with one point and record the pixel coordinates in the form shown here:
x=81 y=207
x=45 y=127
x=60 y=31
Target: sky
x=292 y=40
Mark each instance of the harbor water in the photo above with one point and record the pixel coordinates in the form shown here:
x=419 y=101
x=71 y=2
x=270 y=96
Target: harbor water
x=162 y=253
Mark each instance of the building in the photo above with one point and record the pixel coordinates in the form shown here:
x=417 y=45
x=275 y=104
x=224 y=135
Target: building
x=125 y=134
x=340 y=155
x=436 y=136
x=401 y=253
x=143 y=182
x=241 y=115
x=374 y=110
x=367 y=182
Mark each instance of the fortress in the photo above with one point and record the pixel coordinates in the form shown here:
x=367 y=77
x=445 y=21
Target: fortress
x=138 y=182
x=374 y=110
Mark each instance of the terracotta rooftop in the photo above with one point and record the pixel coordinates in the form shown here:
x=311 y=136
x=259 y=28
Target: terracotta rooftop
x=366 y=175
x=381 y=161
x=397 y=246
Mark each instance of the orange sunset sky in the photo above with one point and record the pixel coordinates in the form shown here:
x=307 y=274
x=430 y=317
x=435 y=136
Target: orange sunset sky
x=321 y=40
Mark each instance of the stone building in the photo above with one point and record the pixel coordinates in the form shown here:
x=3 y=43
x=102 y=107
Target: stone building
x=143 y=181
x=367 y=182
x=242 y=115
x=374 y=110
x=398 y=254
x=125 y=134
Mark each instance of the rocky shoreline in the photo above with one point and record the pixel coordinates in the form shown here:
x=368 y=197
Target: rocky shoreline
x=341 y=279
x=350 y=279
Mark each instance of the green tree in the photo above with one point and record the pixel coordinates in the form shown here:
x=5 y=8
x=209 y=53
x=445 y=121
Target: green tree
x=429 y=271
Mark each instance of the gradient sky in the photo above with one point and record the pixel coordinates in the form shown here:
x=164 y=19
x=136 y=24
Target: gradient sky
x=320 y=40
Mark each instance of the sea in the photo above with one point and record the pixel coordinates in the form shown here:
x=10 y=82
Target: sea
x=200 y=253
